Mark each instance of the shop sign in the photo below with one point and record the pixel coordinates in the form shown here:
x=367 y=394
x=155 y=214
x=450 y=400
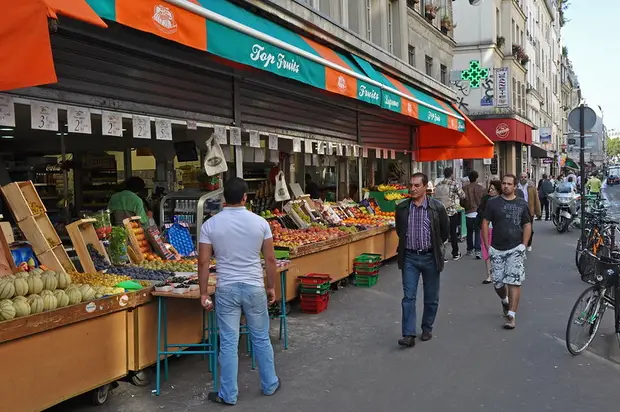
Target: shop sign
x=547 y=160
x=545 y=135
x=111 y=124
x=368 y=93
x=502 y=97
x=7 y=111
x=502 y=131
x=296 y=145
x=431 y=116
x=461 y=125
x=44 y=116
x=163 y=129
x=141 y=127
x=320 y=147
x=219 y=133
x=308 y=146
x=235 y=136
x=273 y=142
x=254 y=139
x=391 y=101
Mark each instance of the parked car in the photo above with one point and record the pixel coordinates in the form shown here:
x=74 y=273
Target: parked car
x=613 y=180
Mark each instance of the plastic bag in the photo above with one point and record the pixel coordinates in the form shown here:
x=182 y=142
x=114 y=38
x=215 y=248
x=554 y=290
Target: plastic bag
x=214 y=159
x=281 y=193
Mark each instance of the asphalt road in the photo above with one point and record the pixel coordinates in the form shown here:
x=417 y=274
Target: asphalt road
x=347 y=358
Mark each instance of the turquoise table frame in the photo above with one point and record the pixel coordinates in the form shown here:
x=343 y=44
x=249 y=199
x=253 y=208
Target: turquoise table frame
x=207 y=347
x=283 y=316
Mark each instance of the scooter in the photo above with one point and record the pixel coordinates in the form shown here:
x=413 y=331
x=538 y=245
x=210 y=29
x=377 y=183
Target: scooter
x=563 y=209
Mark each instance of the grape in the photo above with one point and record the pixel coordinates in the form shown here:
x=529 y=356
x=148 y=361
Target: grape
x=133 y=272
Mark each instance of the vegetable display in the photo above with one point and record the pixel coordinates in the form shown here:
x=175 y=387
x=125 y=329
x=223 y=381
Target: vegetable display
x=133 y=272
x=118 y=245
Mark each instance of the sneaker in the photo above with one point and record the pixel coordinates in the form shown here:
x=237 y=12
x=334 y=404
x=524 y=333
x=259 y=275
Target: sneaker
x=470 y=253
x=407 y=341
x=478 y=254
x=505 y=308
x=457 y=257
x=529 y=248
x=510 y=323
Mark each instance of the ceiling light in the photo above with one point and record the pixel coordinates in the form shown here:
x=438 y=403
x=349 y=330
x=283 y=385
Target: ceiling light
x=7 y=137
x=6 y=129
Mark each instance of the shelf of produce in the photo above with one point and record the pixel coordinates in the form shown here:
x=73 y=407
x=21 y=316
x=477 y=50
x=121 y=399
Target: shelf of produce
x=391 y=244
x=137 y=241
x=386 y=205
x=23 y=200
x=82 y=233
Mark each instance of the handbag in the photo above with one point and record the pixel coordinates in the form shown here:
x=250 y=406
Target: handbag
x=281 y=193
x=215 y=162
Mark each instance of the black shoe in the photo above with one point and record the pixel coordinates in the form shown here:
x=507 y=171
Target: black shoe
x=215 y=398
x=408 y=341
x=426 y=336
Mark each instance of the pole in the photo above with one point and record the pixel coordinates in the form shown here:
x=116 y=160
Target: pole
x=582 y=170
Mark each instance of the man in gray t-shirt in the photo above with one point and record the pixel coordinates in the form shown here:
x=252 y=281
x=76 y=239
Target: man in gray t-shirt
x=512 y=228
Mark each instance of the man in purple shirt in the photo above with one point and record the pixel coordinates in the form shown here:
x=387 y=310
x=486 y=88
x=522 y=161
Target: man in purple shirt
x=423 y=227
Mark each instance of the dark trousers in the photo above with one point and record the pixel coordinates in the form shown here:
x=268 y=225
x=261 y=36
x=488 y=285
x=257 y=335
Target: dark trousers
x=544 y=206
x=473 y=234
x=415 y=265
x=529 y=243
x=455 y=223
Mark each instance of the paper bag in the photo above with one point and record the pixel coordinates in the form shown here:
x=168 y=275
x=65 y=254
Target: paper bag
x=215 y=162
x=282 y=193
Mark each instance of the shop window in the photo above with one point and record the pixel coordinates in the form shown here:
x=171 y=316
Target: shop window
x=444 y=74
x=429 y=65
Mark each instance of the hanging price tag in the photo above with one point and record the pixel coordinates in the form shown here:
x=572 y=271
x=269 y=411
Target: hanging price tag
x=364 y=152
x=378 y=153
x=44 y=116
x=308 y=146
x=78 y=120
x=347 y=151
x=330 y=149
x=7 y=111
x=141 y=127
x=163 y=129
x=356 y=151
x=220 y=134
x=235 y=136
x=111 y=124
x=296 y=145
x=339 y=149
x=273 y=142
x=320 y=147
x=254 y=139
x=274 y=156
x=393 y=154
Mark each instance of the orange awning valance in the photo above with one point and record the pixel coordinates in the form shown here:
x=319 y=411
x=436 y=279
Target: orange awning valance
x=25 y=39
x=438 y=143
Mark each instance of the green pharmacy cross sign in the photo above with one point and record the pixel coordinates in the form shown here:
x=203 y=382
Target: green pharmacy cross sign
x=475 y=74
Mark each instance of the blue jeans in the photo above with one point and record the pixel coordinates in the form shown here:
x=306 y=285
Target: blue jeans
x=230 y=300
x=473 y=234
x=415 y=265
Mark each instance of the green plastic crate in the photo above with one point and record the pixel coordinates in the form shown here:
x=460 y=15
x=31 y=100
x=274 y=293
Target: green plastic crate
x=367 y=258
x=304 y=291
x=363 y=281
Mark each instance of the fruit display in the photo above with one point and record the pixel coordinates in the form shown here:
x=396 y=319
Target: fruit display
x=140 y=237
x=36 y=208
x=294 y=238
x=7 y=310
x=99 y=278
x=171 y=265
x=394 y=196
x=134 y=272
x=388 y=188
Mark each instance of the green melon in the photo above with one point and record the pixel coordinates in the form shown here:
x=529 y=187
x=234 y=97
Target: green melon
x=36 y=271
x=7 y=288
x=7 y=310
x=64 y=280
x=49 y=300
x=49 y=280
x=74 y=294
x=22 y=307
x=88 y=293
x=35 y=284
x=62 y=298
x=36 y=304
x=21 y=286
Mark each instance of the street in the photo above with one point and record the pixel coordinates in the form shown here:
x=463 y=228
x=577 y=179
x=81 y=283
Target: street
x=347 y=358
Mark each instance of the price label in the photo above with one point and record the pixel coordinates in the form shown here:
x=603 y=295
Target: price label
x=220 y=134
x=308 y=146
x=274 y=156
x=78 y=120
x=365 y=152
x=320 y=148
x=44 y=116
x=339 y=149
x=7 y=111
x=347 y=150
x=141 y=127
x=296 y=145
x=356 y=151
x=273 y=142
x=235 y=136
x=163 y=129
x=192 y=124
x=393 y=154
x=111 y=124
x=254 y=139
x=330 y=149
x=378 y=153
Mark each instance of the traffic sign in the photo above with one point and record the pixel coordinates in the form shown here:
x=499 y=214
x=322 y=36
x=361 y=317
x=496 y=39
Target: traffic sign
x=589 y=118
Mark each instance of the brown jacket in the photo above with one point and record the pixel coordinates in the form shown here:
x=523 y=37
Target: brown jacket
x=533 y=200
x=473 y=196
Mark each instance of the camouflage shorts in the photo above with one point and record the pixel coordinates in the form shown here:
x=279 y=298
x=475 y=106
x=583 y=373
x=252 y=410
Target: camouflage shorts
x=508 y=267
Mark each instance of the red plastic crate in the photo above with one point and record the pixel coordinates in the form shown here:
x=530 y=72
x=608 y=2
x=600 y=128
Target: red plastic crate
x=314 y=303
x=314 y=279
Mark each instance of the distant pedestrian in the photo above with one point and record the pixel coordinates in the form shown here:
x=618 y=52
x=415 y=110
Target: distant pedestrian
x=450 y=194
x=545 y=188
x=474 y=193
x=512 y=227
x=422 y=227
x=495 y=188
x=594 y=185
x=530 y=194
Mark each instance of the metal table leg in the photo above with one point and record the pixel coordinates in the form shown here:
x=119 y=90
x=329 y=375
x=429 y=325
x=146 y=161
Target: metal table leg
x=165 y=310
x=283 y=319
x=158 y=367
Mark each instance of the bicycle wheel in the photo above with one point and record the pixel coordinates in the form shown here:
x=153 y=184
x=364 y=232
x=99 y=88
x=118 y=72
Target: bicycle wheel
x=586 y=316
x=581 y=244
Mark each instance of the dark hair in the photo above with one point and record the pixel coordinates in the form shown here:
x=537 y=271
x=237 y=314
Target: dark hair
x=497 y=184
x=134 y=184
x=514 y=178
x=422 y=176
x=570 y=178
x=473 y=176
x=448 y=172
x=234 y=189
x=544 y=175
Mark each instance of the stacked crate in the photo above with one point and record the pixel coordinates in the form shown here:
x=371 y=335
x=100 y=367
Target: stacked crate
x=366 y=269
x=314 y=292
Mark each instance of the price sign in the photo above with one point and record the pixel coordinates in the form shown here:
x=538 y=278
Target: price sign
x=7 y=111
x=379 y=153
x=339 y=149
x=163 y=129
x=393 y=154
x=356 y=151
x=273 y=142
x=296 y=145
x=254 y=139
x=235 y=136
x=111 y=124
x=44 y=116
x=78 y=120
x=308 y=146
x=320 y=148
x=274 y=156
x=364 y=152
x=220 y=134
x=347 y=150
x=141 y=127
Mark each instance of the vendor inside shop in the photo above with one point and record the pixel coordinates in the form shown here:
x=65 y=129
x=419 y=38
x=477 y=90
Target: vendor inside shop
x=311 y=187
x=128 y=203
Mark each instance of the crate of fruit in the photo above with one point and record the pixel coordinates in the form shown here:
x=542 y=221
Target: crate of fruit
x=314 y=279
x=23 y=199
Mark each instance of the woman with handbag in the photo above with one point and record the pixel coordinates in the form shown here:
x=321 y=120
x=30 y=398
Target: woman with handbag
x=495 y=189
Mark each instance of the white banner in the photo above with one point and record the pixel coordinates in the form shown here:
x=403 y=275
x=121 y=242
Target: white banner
x=44 y=116
x=339 y=149
x=364 y=152
x=235 y=136
x=273 y=142
x=320 y=148
x=378 y=153
x=254 y=139
x=393 y=154
x=163 y=129
x=308 y=146
x=356 y=151
x=296 y=145
x=78 y=120
x=502 y=94
x=7 y=111
x=111 y=124
x=141 y=127
x=220 y=134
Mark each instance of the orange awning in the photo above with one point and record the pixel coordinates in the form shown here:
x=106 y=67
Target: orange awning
x=438 y=143
x=25 y=39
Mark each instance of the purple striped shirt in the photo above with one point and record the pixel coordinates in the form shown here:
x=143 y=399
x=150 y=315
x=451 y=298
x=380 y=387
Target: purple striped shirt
x=419 y=227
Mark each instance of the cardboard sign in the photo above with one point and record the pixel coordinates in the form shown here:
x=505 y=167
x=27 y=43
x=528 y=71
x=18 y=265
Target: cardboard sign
x=155 y=239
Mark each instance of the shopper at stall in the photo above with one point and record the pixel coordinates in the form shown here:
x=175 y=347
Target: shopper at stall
x=127 y=203
x=312 y=188
x=237 y=237
x=423 y=227
x=449 y=193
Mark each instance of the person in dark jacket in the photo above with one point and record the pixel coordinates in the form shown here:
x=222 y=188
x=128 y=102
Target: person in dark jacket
x=474 y=193
x=422 y=226
x=545 y=188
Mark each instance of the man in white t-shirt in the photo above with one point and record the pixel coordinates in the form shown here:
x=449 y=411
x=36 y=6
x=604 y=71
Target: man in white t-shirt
x=236 y=237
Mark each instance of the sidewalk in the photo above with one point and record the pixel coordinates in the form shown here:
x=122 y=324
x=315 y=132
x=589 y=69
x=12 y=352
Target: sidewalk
x=347 y=358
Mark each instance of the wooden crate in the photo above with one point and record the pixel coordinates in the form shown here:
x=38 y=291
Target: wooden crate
x=57 y=259
x=82 y=233
x=137 y=256
x=40 y=232
x=19 y=196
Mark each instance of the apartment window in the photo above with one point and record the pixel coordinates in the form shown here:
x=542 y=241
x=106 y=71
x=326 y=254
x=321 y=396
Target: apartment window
x=523 y=98
x=498 y=31
x=513 y=31
x=519 y=107
x=368 y=20
x=514 y=93
x=411 y=4
x=443 y=74
x=517 y=38
x=429 y=65
x=390 y=22
x=411 y=55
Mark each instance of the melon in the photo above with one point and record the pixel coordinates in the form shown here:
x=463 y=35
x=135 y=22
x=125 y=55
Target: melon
x=7 y=310
x=12 y=277
x=49 y=300
x=36 y=271
x=74 y=295
x=49 y=280
x=116 y=291
x=21 y=305
x=22 y=274
x=21 y=286
x=35 y=285
x=7 y=288
x=64 y=280
x=36 y=304
x=88 y=293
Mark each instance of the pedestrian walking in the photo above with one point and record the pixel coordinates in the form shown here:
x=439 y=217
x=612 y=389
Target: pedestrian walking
x=423 y=227
x=530 y=194
x=237 y=237
x=512 y=228
x=545 y=188
x=594 y=185
x=474 y=192
x=449 y=193
x=494 y=190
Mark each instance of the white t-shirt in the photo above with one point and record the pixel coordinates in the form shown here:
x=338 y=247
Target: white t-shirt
x=237 y=236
